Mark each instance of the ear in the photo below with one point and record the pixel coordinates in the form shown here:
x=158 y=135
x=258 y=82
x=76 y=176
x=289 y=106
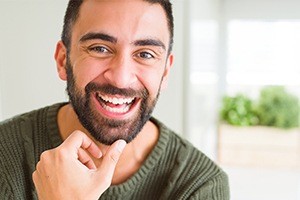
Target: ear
x=169 y=64
x=61 y=60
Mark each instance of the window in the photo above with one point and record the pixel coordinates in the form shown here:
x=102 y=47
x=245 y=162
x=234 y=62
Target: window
x=262 y=53
x=258 y=53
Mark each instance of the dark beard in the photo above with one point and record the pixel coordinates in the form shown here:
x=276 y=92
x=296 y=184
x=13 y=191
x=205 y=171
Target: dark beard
x=105 y=130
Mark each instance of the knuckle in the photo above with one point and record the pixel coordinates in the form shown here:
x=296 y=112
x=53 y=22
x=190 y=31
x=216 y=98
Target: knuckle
x=38 y=166
x=34 y=176
x=61 y=153
x=44 y=155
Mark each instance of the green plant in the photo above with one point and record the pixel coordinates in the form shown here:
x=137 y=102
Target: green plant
x=276 y=107
x=238 y=110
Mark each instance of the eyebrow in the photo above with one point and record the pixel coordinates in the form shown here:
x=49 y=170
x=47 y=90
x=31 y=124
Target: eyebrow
x=98 y=36
x=149 y=42
x=109 y=38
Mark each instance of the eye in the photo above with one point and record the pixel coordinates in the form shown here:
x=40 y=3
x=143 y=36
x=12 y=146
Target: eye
x=99 y=49
x=145 y=55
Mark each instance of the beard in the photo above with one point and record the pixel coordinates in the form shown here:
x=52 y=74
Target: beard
x=105 y=130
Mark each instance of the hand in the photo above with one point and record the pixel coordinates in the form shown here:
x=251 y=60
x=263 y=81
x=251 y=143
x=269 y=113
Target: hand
x=68 y=171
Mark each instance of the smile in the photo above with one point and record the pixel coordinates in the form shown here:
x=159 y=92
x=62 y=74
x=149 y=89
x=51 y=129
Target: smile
x=115 y=105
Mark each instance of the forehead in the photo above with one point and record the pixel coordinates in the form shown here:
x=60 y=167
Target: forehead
x=126 y=19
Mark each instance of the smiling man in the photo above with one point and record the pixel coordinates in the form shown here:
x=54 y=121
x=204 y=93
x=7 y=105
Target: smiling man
x=115 y=56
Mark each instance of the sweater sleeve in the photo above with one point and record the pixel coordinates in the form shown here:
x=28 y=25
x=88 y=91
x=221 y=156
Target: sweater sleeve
x=215 y=189
x=5 y=189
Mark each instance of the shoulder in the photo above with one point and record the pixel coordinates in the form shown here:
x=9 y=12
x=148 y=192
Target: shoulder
x=16 y=131
x=13 y=126
x=12 y=123
x=13 y=155
x=196 y=173
x=10 y=129
x=22 y=138
x=25 y=127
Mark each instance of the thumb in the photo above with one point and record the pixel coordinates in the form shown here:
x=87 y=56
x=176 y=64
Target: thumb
x=109 y=162
x=113 y=153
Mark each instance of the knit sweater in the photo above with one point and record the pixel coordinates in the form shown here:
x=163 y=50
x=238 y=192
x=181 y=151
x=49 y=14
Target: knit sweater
x=173 y=170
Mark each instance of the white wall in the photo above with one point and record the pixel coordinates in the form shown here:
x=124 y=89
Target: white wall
x=262 y=9
x=29 y=30
x=170 y=108
x=28 y=34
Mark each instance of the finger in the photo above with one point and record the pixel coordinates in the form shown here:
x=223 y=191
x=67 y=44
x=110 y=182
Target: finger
x=79 y=140
x=85 y=159
x=111 y=159
x=37 y=182
x=35 y=177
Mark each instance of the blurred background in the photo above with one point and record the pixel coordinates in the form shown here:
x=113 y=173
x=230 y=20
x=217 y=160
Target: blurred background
x=233 y=90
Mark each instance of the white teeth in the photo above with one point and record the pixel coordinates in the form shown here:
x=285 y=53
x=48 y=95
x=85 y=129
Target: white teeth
x=122 y=105
x=116 y=110
x=115 y=100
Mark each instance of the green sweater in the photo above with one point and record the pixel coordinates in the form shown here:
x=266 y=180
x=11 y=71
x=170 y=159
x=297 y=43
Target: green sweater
x=173 y=170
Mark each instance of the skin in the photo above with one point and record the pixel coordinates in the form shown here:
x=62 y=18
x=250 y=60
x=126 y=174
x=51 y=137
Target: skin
x=82 y=168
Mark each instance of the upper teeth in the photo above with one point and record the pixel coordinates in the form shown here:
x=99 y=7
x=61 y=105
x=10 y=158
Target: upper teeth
x=115 y=100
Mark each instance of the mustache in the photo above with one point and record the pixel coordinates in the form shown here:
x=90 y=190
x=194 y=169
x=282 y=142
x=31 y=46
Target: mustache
x=112 y=90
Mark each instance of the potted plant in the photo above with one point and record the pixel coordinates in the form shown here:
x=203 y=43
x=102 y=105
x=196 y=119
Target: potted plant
x=260 y=133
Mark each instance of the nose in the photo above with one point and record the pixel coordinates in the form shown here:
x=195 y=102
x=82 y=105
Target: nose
x=120 y=72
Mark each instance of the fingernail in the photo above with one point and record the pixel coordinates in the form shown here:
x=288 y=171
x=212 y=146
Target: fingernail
x=121 y=145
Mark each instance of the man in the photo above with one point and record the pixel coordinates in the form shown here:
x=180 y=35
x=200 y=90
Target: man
x=115 y=56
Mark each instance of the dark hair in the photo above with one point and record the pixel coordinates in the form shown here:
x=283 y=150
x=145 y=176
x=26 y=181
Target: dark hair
x=72 y=14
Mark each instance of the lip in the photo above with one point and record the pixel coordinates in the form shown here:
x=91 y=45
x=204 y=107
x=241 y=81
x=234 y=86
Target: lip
x=112 y=115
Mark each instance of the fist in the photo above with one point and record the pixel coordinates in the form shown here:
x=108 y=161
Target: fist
x=69 y=172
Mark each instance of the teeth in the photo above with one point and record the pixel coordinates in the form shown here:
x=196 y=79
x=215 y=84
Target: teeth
x=116 y=110
x=115 y=100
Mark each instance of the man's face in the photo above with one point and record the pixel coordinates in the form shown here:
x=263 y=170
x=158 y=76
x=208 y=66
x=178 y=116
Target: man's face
x=117 y=64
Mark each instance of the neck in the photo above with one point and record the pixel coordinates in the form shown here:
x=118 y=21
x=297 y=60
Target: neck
x=133 y=155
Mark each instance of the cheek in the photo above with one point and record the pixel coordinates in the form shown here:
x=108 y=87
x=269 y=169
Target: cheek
x=151 y=80
x=87 y=70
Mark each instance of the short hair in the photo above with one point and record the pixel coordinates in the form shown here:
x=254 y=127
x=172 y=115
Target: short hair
x=72 y=14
